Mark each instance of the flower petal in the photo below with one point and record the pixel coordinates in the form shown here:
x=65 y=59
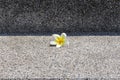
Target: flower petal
x=56 y=36
x=58 y=46
x=64 y=35
x=52 y=43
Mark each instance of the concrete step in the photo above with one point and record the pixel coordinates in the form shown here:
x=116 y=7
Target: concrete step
x=39 y=16
x=85 y=57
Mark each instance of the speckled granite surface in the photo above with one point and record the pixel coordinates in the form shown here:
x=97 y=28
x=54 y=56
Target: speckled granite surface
x=38 y=16
x=64 y=79
x=85 y=57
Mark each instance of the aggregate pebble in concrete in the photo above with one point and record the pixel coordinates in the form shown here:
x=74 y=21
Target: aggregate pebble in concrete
x=85 y=57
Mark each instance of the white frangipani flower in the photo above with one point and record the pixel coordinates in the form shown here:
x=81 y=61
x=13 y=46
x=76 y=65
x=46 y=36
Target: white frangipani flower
x=60 y=40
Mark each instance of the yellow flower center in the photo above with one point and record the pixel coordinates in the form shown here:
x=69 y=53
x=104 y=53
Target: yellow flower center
x=60 y=40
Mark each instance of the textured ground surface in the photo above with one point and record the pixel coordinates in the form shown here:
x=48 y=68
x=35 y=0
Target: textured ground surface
x=38 y=16
x=86 y=56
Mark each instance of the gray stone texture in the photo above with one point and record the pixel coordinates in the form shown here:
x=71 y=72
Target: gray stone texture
x=62 y=79
x=90 y=57
x=39 y=16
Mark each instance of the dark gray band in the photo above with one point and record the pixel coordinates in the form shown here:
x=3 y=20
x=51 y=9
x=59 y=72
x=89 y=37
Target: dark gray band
x=49 y=16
